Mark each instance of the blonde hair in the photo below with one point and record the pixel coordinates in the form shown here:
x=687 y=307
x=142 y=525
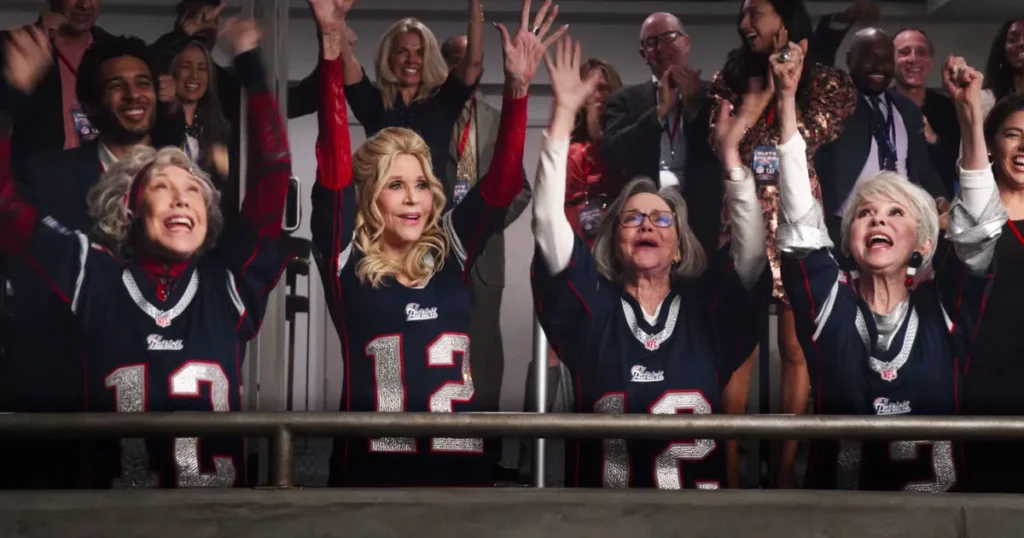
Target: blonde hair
x=434 y=71
x=606 y=251
x=371 y=165
x=917 y=201
x=105 y=200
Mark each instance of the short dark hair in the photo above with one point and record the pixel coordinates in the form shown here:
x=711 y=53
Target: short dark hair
x=928 y=40
x=448 y=50
x=1004 y=108
x=87 y=87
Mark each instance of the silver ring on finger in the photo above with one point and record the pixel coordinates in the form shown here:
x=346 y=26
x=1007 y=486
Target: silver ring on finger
x=535 y=30
x=784 y=56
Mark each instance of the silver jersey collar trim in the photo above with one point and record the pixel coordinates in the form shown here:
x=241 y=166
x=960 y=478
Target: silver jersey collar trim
x=163 y=318
x=652 y=341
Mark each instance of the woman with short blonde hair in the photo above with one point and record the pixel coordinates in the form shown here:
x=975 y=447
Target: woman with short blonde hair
x=880 y=342
x=396 y=265
x=162 y=301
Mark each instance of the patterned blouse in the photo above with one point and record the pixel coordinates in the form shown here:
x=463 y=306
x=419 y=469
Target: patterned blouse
x=832 y=99
x=589 y=186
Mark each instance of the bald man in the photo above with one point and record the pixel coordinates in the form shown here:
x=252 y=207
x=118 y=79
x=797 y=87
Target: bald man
x=659 y=129
x=470 y=152
x=885 y=132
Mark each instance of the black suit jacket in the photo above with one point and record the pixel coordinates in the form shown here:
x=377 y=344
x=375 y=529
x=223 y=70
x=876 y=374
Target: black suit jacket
x=57 y=184
x=839 y=163
x=39 y=118
x=632 y=144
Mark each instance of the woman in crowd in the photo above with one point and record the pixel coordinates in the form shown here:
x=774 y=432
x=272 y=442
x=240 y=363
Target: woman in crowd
x=640 y=323
x=882 y=347
x=825 y=97
x=414 y=88
x=1004 y=71
x=163 y=302
x=395 y=268
x=995 y=373
x=590 y=186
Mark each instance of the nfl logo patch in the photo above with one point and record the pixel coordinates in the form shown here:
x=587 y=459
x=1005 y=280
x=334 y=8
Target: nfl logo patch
x=651 y=344
x=888 y=374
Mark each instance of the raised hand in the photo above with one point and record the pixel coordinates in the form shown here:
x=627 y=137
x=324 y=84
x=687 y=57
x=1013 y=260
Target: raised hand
x=523 y=53
x=786 y=64
x=963 y=83
x=330 y=14
x=202 y=19
x=729 y=132
x=240 y=35
x=27 y=57
x=687 y=80
x=569 y=91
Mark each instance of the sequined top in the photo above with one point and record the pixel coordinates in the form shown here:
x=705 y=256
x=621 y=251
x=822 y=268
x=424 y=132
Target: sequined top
x=832 y=99
x=588 y=180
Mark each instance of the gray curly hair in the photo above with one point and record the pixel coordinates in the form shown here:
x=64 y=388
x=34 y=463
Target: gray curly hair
x=114 y=225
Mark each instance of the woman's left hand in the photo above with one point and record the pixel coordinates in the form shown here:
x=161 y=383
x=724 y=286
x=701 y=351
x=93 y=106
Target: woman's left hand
x=787 y=63
x=242 y=35
x=963 y=83
x=523 y=53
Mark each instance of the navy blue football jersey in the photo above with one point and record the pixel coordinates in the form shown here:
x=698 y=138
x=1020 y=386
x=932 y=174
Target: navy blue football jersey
x=919 y=373
x=405 y=349
x=141 y=354
x=622 y=362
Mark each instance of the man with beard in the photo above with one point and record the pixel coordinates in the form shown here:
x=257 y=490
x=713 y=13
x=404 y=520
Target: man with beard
x=116 y=89
x=914 y=55
x=52 y=119
x=659 y=129
x=884 y=133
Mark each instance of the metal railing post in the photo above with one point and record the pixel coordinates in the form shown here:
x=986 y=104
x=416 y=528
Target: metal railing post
x=540 y=366
x=283 y=458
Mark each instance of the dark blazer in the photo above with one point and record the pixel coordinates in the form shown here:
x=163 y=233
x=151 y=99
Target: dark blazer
x=57 y=184
x=840 y=162
x=632 y=145
x=38 y=118
x=488 y=274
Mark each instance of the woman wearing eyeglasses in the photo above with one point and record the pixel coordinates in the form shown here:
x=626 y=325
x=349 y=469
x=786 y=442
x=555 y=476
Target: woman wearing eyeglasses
x=640 y=323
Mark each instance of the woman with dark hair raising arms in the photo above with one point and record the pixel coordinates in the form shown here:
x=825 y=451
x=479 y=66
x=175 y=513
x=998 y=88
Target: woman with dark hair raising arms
x=641 y=324
x=1004 y=70
x=824 y=98
x=163 y=301
x=395 y=268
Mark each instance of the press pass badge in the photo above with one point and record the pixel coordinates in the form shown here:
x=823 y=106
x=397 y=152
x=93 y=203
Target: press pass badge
x=461 y=190
x=83 y=126
x=590 y=215
x=766 y=165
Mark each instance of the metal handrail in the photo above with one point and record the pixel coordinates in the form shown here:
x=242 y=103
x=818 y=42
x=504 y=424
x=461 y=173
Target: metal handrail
x=282 y=426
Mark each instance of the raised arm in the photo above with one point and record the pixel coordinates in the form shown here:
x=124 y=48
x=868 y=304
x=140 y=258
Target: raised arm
x=472 y=65
x=336 y=37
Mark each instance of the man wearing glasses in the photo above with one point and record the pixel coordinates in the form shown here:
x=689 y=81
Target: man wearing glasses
x=659 y=129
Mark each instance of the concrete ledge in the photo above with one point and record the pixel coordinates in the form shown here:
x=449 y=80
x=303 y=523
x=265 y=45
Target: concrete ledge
x=503 y=513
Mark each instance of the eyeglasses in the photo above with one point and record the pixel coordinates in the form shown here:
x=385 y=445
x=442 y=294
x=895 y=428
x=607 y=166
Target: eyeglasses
x=633 y=219
x=665 y=39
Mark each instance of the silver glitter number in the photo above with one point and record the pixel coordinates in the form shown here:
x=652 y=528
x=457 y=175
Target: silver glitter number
x=386 y=352
x=667 y=464
x=615 y=471
x=442 y=353
x=185 y=383
x=942 y=463
x=129 y=384
x=848 y=465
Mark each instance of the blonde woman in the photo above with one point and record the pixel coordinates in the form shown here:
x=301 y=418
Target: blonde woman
x=395 y=268
x=414 y=88
x=161 y=299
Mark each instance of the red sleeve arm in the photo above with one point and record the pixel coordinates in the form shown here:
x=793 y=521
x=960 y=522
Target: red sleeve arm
x=333 y=145
x=504 y=178
x=17 y=217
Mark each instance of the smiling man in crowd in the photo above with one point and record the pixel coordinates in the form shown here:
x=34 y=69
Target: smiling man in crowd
x=885 y=132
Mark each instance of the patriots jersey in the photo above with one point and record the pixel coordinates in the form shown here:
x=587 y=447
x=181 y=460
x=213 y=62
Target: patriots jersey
x=623 y=361
x=918 y=373
x=141 y=354
x=405 y=349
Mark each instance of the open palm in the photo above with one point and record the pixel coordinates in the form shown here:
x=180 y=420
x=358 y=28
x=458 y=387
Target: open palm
x=330 y=14
x=27 y=57
x=570 y=91
x=522 y=54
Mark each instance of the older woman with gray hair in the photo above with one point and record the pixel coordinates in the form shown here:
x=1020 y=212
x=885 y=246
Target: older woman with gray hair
x=640 y=323
x=163 y=303
x=879 y=342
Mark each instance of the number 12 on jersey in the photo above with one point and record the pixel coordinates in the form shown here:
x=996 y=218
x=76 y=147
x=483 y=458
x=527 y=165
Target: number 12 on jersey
x=386 y=352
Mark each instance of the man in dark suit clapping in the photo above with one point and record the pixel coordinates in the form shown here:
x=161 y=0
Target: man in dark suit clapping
x=659 y=129
x=885 y=133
